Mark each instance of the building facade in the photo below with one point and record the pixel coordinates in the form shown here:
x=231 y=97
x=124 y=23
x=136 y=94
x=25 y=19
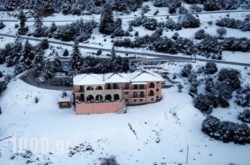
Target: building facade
x=101 y=93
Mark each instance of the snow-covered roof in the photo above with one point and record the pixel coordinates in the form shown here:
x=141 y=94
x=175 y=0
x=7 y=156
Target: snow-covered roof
x=88 y=79
x=116 y=77
x=64 y=99
x=100 y=79
x=146 y=76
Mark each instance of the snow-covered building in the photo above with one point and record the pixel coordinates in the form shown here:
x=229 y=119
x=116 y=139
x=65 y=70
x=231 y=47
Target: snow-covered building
x=101 y=93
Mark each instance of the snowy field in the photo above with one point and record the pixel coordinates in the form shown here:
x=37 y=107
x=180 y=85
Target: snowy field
x=167 y=132
x=164 y=132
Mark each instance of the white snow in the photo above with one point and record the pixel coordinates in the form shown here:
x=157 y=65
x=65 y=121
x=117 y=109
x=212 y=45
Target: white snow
x=164 y=130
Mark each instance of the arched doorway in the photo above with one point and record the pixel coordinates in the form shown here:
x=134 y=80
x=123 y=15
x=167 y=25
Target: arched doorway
x=98 y=98
x=108 y=97
x=90 y=98
x=116 y=97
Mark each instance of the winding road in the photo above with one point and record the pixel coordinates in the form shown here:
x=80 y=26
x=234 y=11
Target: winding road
x=161 y=57
x=158 y=56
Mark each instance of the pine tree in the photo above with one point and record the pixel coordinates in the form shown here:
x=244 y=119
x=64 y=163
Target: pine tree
x=22 y=19
x=76 y=59
x=15 y=53
x=52 y=28
x=65 y=53
x=27 y=53
x=39 y=62
x=38 y=24
x=113 y=53
x=107 y=20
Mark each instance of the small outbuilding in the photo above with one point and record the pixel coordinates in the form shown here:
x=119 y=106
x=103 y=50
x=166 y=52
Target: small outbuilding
x=64 y=101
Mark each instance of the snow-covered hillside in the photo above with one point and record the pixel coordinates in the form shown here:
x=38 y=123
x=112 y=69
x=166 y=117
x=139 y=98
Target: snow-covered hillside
x=164 y=132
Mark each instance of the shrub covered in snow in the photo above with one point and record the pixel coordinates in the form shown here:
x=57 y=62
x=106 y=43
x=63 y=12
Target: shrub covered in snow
x=200 y=34
x=203 y=103
x=231 y=77
x=109 y=161
x=242 y=97
x=226 y=131
x=234 y=23
x=2 y=25
x=236 y=44
x=208 y=46
x=172 y=25
x=189 y=21
x=138 y=21
x=210 y=68
x=150 y=24
x=186 y=71
x=244 y=116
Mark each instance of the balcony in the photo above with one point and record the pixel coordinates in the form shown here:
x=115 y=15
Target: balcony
x=106 y=91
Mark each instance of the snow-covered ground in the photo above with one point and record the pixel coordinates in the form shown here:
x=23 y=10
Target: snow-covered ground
x=163 y=130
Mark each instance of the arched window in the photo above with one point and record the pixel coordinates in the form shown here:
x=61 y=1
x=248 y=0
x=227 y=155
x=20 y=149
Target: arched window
x=151 y=93
x=108 y=97
x=99 y=98
x=116 y=97
x=90 y=88
x=98 y=88
x=90 y=98
x=151 y=85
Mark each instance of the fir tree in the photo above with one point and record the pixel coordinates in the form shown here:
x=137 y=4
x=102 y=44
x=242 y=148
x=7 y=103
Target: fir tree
x=27 y=53
x=66 y=52
x=107 y=20
x=39 y=62
x=38 y=24
x=77 y=60
x=22 y=19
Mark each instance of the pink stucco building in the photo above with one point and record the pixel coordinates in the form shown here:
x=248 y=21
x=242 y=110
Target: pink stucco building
x=101 y=93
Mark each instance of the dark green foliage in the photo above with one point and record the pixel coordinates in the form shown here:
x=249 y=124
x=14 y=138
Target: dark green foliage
x=44 y=44
x=226 y=131
x=107 y=21
x=36 y=100
x=65 y=53
x=236 y=44
x=221 y=32
x=244 y=116
x=164 y=44
x=189 y=21
x=150 y=24
x=186 y=71
x=109 y=161
x=13 y=52
x=243 y=96
x=203 y=103
x=79 y=30
x=39 y=62
x=209 y=46
x=210 y=68
x=231 y=77
x=39 y=28
x=2 y=25
x=234 y=23
x=76 y=58
x=200 y=34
